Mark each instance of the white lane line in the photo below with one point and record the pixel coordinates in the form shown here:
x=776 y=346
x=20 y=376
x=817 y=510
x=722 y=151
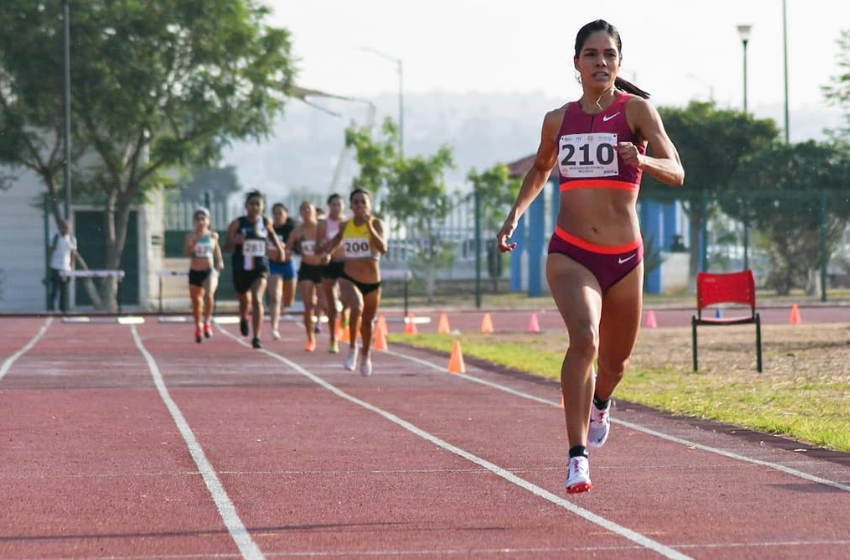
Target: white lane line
x=237 y=530
x=453 y=552
x=638 y=428
x=624 y=532
x=7 y=363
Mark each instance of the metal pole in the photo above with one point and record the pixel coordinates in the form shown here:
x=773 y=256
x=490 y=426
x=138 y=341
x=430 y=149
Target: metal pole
x=400 y=108
x=824 y=259
x=66 y=102
x=785 y=55
x=746 y=218
x=477 y=199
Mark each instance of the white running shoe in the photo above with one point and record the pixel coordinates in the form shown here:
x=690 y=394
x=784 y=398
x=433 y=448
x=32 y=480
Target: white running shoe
x=366 y=367
x=600 y=425
x=578 y=477
x=351 y=361
x=276 y=334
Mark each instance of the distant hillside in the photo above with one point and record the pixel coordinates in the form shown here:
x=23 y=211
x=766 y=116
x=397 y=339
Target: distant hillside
x=482 y=129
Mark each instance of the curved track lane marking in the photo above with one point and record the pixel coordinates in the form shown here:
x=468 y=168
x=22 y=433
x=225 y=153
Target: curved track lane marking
x=638 y=428
x=615 y=528
x=237 y=530
x=7 y=363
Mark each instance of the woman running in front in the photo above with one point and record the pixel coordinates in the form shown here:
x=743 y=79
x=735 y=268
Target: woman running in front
x=310 y=271
x=332 y=272
x=595 y=268
x=247 y=237
x=362 y=238
x=281 y=274
x=204 y=267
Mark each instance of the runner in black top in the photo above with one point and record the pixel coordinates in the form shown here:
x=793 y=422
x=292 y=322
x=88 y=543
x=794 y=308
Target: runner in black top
x=247 y=237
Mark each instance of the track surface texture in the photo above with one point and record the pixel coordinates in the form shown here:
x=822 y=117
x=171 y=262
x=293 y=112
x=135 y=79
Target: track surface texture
x=134 y=442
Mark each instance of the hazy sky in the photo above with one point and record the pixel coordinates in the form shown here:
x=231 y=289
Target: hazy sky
x=676 y=49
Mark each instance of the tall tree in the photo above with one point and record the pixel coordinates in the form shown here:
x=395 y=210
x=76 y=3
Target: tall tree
x=798 y=197
x=711 y=142
x=412 y=190
x=156 y=84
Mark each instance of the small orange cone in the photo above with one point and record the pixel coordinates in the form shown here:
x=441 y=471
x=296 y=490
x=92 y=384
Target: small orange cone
x=533 y=324
x=338 y=328
x=410 y=325
x=382 y=322
x=796 y=318
x=487 y=324
x=456 y=364
x=651 y=320
x=380 y=337
x=345 y=336
x=443 y=327
x=562 y=400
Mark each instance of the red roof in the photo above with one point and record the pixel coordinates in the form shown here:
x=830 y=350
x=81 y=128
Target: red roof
x=521 y=166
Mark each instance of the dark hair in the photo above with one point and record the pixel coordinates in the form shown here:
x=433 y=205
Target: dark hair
x=280 y=205
x=333 y=197
x=251 y=194
x=602 y=25
x=357 y=191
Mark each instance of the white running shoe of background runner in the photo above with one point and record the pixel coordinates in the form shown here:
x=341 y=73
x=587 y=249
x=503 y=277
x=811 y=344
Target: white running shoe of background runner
x=600 y=425
x=351 y=361
x=578 y=476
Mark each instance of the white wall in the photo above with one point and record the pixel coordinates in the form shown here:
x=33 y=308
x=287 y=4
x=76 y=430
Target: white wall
x=22 y=252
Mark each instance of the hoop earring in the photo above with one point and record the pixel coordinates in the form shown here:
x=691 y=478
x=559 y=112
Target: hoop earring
x=578 y=76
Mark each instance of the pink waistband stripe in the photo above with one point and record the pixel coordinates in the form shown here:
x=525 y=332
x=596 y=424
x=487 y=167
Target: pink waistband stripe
x=598 y=184
x=588 y=246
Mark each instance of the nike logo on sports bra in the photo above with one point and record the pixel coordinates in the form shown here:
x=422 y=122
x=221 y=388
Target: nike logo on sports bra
x=609 y=117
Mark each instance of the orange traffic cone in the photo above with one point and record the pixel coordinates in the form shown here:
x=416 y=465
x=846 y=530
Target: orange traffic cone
x=562 y=400
x=345 y=335
x=380 y=342
x=410 y=325
x=456 y=364
x=533 y=324
x=487 y=324
x=382 y=322
x=796 y=318
x=651 y=320
x=443 y=327
x=338 y=328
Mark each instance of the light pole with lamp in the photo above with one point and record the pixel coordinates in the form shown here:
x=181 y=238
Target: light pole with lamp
x=744 y=32
x=66 y=102
x=398 y=62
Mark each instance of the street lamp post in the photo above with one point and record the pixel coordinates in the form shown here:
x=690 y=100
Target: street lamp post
x=400 y=66
x=66 y=103
x=785 y=58
x=744 y=32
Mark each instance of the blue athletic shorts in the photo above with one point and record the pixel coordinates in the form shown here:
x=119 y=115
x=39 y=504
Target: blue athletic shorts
x=282 y=269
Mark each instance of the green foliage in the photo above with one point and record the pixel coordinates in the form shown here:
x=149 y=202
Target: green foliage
x=794 y=195
x=498 y=192
x=838 y=93
x=155 y=85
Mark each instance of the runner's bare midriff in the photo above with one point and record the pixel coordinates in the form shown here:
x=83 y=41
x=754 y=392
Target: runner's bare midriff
x=600 y=216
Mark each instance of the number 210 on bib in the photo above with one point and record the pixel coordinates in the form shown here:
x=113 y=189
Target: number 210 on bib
x=588 y=155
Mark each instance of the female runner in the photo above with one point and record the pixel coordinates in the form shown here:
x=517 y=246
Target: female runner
x=362 y=238
x=204 y=267
x=595 y=264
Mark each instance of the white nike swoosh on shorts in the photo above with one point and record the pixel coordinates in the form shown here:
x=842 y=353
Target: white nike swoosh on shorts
x=622 y=260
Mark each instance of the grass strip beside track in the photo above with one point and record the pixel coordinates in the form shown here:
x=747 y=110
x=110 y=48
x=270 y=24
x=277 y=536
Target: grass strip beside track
x=811 y=406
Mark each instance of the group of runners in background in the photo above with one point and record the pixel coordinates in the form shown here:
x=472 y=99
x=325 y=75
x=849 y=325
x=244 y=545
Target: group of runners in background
x=339 y=270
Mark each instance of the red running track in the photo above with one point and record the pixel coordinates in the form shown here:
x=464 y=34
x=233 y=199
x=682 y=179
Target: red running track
x=319 y=462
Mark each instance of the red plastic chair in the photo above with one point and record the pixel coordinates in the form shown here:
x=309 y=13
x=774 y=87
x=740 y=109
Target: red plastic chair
x=734 y=287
